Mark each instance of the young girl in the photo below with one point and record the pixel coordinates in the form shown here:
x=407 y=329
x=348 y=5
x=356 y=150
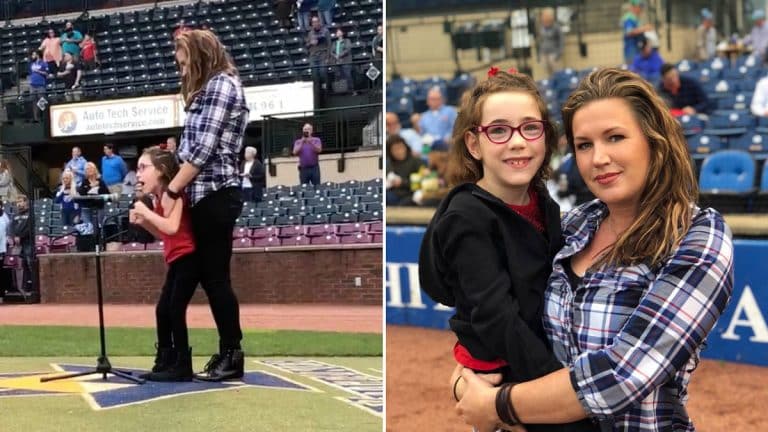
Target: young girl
x=488 y=249
x=173 y=361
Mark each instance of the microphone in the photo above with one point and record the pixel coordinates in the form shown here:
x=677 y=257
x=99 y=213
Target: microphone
x=99 y=197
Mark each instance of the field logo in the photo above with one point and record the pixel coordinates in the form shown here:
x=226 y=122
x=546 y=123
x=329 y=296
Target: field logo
x=367 y=392
x=117 y=392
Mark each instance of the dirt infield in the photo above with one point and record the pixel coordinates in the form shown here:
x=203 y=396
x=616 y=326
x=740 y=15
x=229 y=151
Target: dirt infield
x=723 y=396
x=352 y=319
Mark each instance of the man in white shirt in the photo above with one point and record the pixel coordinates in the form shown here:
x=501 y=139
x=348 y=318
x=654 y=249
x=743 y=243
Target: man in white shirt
x=759 y=105
x=4 y=223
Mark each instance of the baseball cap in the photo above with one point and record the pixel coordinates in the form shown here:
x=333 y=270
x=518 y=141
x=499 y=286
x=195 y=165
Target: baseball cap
x=636 y=3
x=758 y=14
x=706 y=14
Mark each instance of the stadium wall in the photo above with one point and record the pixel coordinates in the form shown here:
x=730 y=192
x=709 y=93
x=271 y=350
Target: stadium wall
x=358 y=165
x=741 y=333
x=258 y=276
x=409 y=36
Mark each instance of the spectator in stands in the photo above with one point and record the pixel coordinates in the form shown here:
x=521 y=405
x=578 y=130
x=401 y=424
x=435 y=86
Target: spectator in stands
x=648 y=62
x=630 y=22
x=51 y=48
x=181 y=27
x=21 y=227
x=401 y=163
x=5 y=225
x=170 y=144
x=217 y=115
x=70 y=40
x=549 y=41
x=682 y=93
x=706 y=36
x=113 y=169
x=70 y=210
x=252 y=175
x=88 y=53
x=415 y=120
x=377 y=44
x=436 y=124
x=6 y=181
x=411 y=137
x=305 y=13
x=319 y=45
x=307 y=148
x=130 y=180
x=38 y=79
x=758 y=37
x=341 y=54
x=77 y=165
x=93 y=184
x=759 y=105
x=284 y=11
x=70 y=73
x=325 y=11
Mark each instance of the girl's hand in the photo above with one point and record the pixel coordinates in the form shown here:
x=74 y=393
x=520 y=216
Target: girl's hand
x=140 y=208
x=478 y=404
x=135 y=218
x=493 y=379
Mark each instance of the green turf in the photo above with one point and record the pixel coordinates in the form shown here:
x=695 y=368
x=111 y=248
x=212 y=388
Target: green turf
x=249 y=409
x=56 y=341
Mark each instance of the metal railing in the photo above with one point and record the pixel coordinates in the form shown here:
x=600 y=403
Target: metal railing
x=341 y=130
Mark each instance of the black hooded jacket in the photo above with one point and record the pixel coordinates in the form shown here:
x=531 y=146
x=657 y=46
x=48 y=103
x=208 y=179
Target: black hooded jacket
x=492 y=265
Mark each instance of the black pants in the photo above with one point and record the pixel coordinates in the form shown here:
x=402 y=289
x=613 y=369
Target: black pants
x=171 y=311
x=309 y=175
x=213 y=220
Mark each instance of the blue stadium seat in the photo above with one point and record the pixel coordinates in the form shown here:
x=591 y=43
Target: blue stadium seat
x=701 y=145
x=727 y=181
x=751 y=142
x=692 y=124
x=761 y=200
x=729 y=123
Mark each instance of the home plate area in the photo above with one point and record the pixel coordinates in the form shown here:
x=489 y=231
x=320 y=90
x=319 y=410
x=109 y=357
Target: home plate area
x=361 y=390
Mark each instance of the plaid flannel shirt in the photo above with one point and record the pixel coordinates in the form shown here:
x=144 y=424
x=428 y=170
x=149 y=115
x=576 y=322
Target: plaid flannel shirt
x=632 y=335
x=213 y=136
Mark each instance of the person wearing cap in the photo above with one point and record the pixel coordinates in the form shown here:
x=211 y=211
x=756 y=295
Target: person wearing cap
x=648 y=62
x=706 y=36
x=758 y=37
x=633 y=31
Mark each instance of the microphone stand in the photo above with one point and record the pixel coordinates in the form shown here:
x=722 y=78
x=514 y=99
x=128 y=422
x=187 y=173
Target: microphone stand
x=103 y=366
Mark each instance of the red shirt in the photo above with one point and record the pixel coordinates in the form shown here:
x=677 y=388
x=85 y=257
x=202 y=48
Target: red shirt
x=183 y=242
x=88 y=52
x=532 y=213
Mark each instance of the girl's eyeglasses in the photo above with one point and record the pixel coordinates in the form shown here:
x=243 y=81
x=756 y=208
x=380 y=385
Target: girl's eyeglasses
x=501 y=133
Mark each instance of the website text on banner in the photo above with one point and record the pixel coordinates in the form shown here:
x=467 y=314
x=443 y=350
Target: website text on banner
x=741 y=334
x=163 y=112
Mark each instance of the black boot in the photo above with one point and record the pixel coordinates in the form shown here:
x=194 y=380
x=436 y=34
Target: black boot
x=164 y=358
x=181 y=370
x=228 y=364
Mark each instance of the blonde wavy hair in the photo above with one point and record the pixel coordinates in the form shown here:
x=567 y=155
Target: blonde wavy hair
x=206 y=57
x=666 y=201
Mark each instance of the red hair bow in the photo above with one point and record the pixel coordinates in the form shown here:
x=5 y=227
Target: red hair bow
x=163 y=146
x=494 y=70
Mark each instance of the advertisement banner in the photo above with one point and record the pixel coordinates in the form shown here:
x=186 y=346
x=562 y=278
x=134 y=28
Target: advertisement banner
x=112 y=116
x=740 y=335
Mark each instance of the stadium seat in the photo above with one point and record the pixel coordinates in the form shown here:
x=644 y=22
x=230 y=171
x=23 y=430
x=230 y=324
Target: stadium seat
x=299 y=240
x=321 y=230
x=727 y=181
x=266 y=242
x=356 y=238
x=751 y=142
x=328 y=239
x=351 y=228
x=264 y=232
x=729 y=123
x=241 y=243
x=292 y=231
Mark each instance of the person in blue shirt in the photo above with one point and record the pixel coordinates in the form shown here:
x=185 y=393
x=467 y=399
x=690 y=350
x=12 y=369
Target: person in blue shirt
x=70 y=40
x=113 y=169
x=682 y=92
x=648 y=62
x=77 y=165
x=436 y=124
x=630 y=22
x=38 y=73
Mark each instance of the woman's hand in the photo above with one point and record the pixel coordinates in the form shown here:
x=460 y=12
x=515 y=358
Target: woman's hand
x=493 y=379
x=478 y=403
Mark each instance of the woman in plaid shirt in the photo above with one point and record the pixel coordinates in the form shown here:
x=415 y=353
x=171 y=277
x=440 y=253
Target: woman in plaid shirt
x=640 y=282
x=210 y=144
